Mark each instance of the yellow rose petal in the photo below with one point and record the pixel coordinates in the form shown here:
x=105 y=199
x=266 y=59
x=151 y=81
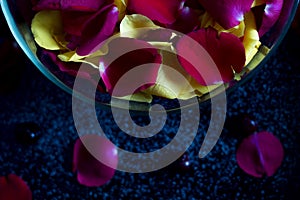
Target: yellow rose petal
x=91 y=59
x=258 y=3
x=170 y=86
x=46 y=27
x=251 y=38
x=70 y=56
x=138 y=97
x=121 y=5
x=129 y=26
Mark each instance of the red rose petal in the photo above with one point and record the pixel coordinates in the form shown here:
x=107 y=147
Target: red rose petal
x=260 y=154
x=13 y=187
x=87 y=5
x=187 y=20
x=228 y=13
x=225 y=49
x=164 y=11
x=90 y=171
x=72 y=26
x=112 y=70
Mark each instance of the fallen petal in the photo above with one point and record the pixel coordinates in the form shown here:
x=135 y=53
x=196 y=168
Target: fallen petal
x=89 y=151
x=260 y=154
x=13 y=187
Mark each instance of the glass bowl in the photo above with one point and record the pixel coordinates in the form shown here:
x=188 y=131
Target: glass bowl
x=19 y=23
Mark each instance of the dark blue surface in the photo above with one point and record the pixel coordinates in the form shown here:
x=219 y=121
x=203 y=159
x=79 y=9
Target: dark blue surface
x=272 y=97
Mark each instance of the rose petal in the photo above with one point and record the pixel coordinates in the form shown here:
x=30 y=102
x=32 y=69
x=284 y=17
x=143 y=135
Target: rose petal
x=131 y=26
x=187 y=20
x=47 y=5
x=90 y=171
x=164 y=11
x=267 y=15
x=228 y=13
x=251 y=38
x=260 y=154
x=142 y=53
x=206 y=21
x=225 y=49
x=121 y=5
x=168 y=84
x=13 y=187
x=46 y=26
x=99 y=28
x=87 y=5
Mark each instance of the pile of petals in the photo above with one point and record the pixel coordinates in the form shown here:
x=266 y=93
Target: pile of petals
x=79 y=32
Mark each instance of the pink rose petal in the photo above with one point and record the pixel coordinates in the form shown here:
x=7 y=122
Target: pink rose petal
x=164 y=11
x=267 y=15
x=228 y=13
x=90 y=171
x=144 y=54
x=260 y=154
x=13 y=187
x=225 y=49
